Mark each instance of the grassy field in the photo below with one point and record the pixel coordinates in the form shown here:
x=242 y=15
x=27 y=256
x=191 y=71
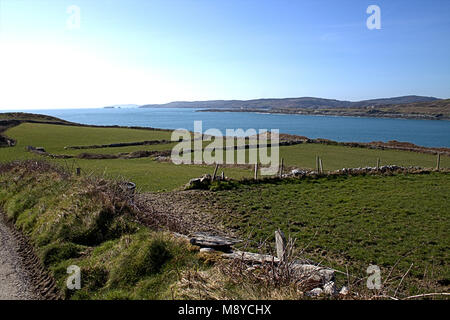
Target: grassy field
x=151 y=175
x=89 y=222
x=345 y=222
x=353 y=222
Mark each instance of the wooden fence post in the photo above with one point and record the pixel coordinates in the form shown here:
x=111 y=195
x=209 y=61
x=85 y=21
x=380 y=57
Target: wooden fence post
x=281 y=167
x=78 y=171
x=378 y=163
x=317 y=164
x=321 y=165
x=222 y=176
x=215 y=172
x=280 y=244
x=256 y=171
x=438 y=162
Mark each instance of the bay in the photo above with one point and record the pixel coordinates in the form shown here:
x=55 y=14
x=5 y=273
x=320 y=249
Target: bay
x=429 y=133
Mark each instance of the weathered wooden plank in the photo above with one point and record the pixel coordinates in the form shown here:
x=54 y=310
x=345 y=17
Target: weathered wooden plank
x=210 y=241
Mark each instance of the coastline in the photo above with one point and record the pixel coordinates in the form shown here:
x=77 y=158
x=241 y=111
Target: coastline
x=285 y=139
x=337 y=113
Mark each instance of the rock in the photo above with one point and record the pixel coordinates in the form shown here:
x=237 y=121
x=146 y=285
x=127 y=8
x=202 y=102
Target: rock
x=251 y=257
x=205 y=178
x=194 y=183
x=344 y=291
x=314 y=292
x=199 y=183
x=330 y=288
x=313 y=272
x=209 y=250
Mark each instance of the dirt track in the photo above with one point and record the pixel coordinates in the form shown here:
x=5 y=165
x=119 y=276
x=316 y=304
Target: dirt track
x=182 y=211
x=15 y=283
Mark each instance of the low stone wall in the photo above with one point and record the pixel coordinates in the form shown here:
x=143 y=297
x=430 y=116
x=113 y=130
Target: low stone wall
x=95 y=156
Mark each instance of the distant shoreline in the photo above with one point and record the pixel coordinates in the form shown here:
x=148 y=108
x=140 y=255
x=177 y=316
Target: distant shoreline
x=9 y=120
x=336 y=113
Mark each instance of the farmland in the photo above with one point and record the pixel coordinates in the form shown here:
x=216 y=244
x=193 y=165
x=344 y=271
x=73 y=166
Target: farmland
x=399 y=222
x=151 y=175
x=352 y=222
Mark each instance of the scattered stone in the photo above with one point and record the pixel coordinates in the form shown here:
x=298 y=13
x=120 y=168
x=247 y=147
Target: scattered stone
x=251 y=257
x=205 y=178
x=209 y=250
x=315 y=292
x=199 y=183
x=313 y=272
x=330 y=288
x=344 y=291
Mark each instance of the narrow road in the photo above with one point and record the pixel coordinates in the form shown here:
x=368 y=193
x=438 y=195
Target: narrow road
x=14 y=281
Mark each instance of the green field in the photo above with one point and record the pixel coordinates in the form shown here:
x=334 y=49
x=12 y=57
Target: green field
x=351 y=222
x=151 y=175
x=344 y=222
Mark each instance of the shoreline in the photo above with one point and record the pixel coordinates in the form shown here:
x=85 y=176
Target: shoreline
x=285 y=139
x=315 y=112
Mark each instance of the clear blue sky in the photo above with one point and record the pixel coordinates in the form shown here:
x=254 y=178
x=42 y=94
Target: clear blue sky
x=159 y=51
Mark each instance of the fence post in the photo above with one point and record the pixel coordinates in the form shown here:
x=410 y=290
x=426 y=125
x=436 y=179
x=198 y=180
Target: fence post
x=280 y=244
x=378 y=163
x=215 y=172
x=256 y=171
x=281 y=167
x=317 y=164
x=78 y=171
x=321 y=165
x=438 y=162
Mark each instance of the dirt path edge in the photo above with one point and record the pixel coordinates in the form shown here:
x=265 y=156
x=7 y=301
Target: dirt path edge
x=42 y=283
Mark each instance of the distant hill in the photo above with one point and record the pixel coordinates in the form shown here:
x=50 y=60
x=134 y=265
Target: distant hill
x=290 y=103
x=391 y=101
x=432 y=110
x=30 y=117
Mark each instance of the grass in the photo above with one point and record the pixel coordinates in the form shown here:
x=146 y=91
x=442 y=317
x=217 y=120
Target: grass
x=338 y=157
x=353 y=222
x=149 y=175
x=55 y=137
x=89 y=223
x=345 y=222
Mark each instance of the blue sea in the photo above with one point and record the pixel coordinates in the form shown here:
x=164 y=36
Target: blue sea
x=430 y=133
